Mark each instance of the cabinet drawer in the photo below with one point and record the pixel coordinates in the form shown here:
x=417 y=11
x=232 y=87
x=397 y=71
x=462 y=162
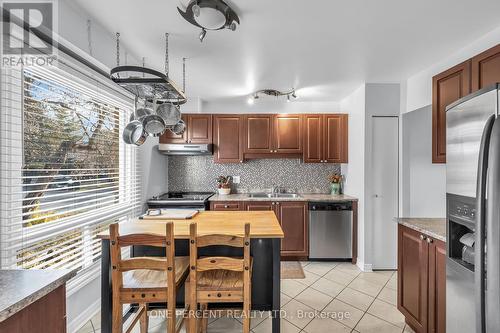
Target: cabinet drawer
x=226 y=205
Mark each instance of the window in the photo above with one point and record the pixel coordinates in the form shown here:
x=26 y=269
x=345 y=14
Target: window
x=66 y=173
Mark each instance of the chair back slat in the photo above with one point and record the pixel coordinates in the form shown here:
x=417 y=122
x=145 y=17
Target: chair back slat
x=226 y=240
x=142 y=239
x=155 y=264
x=224 y=263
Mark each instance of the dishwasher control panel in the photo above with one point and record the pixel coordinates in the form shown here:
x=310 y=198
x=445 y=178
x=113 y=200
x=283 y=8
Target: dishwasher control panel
x=330 y=206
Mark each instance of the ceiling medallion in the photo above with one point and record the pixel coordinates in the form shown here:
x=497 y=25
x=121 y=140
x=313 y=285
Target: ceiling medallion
x=272 y=92
x=210 y=15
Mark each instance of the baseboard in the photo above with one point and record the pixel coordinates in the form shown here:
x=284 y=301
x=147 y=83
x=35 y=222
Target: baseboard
x=364 y=267
x=84 y=317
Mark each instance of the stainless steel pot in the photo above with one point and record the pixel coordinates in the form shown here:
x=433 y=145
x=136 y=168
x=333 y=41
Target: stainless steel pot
x=179 y=128
x=170 y=113
x=134 y=133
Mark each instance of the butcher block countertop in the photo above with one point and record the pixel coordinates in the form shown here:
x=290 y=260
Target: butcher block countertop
x=263 y=224
x=316 y=197
x=433 y=227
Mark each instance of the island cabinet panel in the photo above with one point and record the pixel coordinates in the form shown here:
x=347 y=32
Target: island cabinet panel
x=226 y=205
x=198 y=130
x=335 y=138
x=169 y=137
x=258 y=134
x=287 y=133
x=228 y=137
x=48 y=314
x=313 y=138
x=422 y=280
x=259 y=205
x=447 y=87
x=486 y=68
x=293 y=219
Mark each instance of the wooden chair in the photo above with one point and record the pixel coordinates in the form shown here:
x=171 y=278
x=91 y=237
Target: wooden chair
x=219 y=279
x=145 y=280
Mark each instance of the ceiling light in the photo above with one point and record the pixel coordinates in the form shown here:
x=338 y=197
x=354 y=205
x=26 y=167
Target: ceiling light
x=250 y=100
x=196 y=10
x=202 y=35
x=288 y=98
x=275 y=93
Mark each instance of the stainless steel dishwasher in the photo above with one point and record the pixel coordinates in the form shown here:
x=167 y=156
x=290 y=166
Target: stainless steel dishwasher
x=330 y=230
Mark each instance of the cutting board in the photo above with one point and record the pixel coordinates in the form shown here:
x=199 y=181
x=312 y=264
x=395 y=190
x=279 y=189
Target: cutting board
x=171 y=214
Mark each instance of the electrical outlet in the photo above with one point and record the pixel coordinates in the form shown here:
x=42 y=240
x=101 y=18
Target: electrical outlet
x=236 y=179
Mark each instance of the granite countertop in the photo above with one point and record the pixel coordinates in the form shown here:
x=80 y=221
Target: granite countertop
x=20 y=288
x=302 y=197
x=433 y=227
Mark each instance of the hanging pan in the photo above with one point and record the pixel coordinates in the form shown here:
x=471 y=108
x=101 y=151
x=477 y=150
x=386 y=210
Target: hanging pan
x=170 y=113
x=179 y=128
x=134 y=133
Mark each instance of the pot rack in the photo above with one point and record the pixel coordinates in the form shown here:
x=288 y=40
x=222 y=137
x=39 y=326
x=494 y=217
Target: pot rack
x=146 y=83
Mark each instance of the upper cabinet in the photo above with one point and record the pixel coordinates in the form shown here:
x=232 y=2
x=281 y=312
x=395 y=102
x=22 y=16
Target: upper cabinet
x=447 y=87
x=269 y=134
x=227 y=136
x=325 y=138
x=454 y=83
x=198 y=130
x=486 y=68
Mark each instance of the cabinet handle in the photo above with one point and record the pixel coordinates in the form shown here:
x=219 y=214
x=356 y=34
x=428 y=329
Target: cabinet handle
x=429 y=240
x=226 y=206
x=422 y=237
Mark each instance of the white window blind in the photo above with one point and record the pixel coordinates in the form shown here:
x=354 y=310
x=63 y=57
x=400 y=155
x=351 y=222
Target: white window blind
x=65 y=172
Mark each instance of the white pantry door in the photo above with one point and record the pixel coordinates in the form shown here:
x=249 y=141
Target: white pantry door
x=384 y=178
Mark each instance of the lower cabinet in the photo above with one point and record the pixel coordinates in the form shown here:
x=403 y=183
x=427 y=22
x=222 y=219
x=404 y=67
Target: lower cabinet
x=226 y=205
x=421 y=280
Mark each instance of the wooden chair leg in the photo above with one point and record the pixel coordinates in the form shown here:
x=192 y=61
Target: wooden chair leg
x=117 y=316
x=171 y=310
x=204 y=320
x=144 y=320
x=187 y=319
x=247 y=299
x=193 y=306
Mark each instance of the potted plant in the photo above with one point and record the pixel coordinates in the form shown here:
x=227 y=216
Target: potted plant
x=335 y=180
x=224 y=185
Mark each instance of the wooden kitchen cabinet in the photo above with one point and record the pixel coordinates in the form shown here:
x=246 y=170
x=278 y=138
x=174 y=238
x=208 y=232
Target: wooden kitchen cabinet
x=421 y=280
x=226 y=205
x=258 y=134
x=325 y=138
x=259 y=205
x=287 y=133
x=447 y=87
x=485 y=68
x=198 y=130
x=292 y=216
x=227 y=138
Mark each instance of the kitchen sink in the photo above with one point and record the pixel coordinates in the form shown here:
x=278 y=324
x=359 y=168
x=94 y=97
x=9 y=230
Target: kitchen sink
x=273 y=195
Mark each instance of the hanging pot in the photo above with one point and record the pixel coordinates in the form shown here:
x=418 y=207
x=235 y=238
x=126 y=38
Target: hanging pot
x=170 y=113
x=134 y=133
x=179 y=128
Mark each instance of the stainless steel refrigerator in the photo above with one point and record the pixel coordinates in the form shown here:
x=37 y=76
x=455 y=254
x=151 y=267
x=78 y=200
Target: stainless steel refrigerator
x=473 y=213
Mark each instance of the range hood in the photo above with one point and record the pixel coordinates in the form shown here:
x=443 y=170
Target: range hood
x=185 y=149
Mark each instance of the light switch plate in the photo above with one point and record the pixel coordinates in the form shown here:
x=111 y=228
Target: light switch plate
x=236 y=179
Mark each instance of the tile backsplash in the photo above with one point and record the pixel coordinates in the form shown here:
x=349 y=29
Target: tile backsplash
x=198 y=173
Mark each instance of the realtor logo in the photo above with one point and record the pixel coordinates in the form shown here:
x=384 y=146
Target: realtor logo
x=27 y=33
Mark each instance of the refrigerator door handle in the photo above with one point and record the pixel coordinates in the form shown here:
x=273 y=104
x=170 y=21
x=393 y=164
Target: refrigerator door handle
x=479 y=265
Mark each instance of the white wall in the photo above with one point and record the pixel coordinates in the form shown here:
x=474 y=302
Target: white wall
x=419 y=85
x=269 y=105
x=354 y=172
x=424 y=182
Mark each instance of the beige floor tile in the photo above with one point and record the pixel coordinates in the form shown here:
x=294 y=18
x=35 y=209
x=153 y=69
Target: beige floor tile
x=328 y=287
x=298 y=313
x=257 y=318
x=371 y=324
x=292 y=288
x=387 y=312
x=392 y=283
x=408 y=329
x=284 y=299
x=389 y=295
x=344 y=313
x=313 y=298
x=225 y=325
x=378 y=278
x=365 y=286
x=348 y=268
x=304 y=263
x=339 y=277
x=266 y=327
x=87 y=328
x=355 y=298
x=320 y=268
x=326 y=325
x=310 y=278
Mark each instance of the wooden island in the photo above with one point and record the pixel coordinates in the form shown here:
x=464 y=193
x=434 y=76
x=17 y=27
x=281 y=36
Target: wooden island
x=266 y=235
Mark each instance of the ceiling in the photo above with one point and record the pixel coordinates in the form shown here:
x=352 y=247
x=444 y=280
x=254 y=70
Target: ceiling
x=324 y=48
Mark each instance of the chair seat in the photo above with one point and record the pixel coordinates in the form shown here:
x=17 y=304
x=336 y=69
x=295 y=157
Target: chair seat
x=221 y=279
x=150 y=279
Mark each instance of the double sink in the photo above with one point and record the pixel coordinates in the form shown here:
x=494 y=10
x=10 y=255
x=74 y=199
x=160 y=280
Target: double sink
x=273 y=195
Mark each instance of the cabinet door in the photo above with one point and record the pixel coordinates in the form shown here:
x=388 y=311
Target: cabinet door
x=259 y=205
x=169 y=137
x=227 y=137
x=486 y=68
x=288 y=133
x=293 y=219
x=199 y=128
x=313 y=138
x=412 y=277
x=447 y=87
x=226 y=205
x=335 y=143
x=258 y=134
x=437 y=286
